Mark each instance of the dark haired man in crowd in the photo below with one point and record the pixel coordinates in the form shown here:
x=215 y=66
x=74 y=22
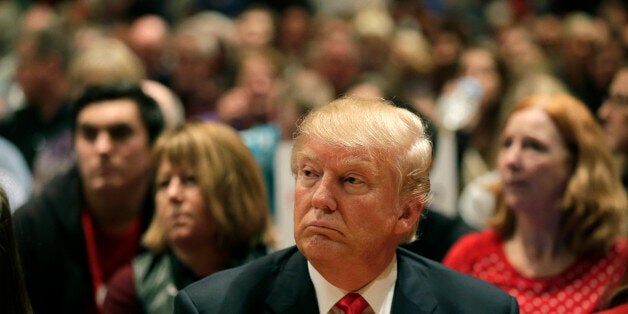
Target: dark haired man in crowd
x=87 y=223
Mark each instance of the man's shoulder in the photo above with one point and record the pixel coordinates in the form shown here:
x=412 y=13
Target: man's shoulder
x=57 y=203
x=22 y=119
x=248 y=273
x=451 y=289
x=251 y=282
x=65 y=189
x=438 y=273
x=434 y=271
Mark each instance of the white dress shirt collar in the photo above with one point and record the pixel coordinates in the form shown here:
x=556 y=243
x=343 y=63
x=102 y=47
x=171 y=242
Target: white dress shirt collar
x=378 y=293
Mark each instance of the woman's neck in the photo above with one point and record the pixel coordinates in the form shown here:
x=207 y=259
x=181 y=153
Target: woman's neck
x=202 y=262
x=537 y=248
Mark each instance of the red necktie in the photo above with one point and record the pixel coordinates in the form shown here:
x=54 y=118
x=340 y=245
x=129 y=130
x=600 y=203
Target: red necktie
x=352 y=303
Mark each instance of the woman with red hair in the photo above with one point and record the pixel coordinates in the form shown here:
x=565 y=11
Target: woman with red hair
x=557 y=237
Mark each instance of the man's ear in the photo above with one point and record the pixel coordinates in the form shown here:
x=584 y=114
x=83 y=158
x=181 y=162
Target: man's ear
x=408 y=216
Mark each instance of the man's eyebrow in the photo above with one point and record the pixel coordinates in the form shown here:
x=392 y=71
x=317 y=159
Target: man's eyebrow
x=86 y=125
x=105 y=127
x=358 y=161
x=304 y=154
x=119 y=126
x=361 y=164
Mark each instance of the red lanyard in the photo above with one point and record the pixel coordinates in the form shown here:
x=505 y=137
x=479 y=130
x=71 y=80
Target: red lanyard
x=100 y=290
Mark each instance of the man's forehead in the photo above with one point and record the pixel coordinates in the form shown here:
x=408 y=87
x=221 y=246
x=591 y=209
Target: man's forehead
x=341 y=156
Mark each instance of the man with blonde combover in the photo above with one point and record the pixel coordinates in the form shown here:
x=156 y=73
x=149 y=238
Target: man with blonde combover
x=362 y=180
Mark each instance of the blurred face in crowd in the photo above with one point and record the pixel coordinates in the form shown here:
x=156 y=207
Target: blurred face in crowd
x=112 y=146
x=191 y=67
x=533 y=161
x=257 y=75
x=481 y=65
x=346 y=205
x=148 y=37
x=255 y=28
x=181 y=207
x=446 y=48
x=614 y=113
x=339 y=58
x=294 y=29
x=33 y=73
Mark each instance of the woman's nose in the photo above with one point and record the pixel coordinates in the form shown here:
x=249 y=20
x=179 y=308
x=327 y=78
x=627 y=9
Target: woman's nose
x=174 y=190
x=511 y=156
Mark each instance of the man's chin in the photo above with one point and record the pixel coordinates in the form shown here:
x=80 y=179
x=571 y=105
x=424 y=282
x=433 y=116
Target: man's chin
x=104 y=186
x=317 y=246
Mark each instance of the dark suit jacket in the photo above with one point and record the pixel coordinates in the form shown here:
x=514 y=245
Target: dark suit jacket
x=280 y=283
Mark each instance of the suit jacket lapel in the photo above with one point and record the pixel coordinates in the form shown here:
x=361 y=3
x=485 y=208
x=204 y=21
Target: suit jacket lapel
x=293 y=291
x=412 y=290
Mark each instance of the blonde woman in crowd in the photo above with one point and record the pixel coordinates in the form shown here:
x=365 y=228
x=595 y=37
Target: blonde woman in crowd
x=211 y=214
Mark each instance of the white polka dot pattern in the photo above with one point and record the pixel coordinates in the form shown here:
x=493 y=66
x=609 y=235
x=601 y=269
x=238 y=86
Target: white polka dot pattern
x=579 y=289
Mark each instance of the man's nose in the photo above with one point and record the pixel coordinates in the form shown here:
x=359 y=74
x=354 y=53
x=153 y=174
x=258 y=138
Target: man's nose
x=103 y=143
x=323 y=197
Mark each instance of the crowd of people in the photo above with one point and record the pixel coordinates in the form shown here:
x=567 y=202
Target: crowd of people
x=146 y=145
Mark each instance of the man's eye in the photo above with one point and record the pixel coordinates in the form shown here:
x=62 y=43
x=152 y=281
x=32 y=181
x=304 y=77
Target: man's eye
x=354 y=180
x=306 y=177
x=121 y=132
x=355 y=185
x=89 y=134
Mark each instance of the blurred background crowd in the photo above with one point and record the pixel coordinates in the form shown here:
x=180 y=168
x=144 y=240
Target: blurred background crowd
x=259 y=66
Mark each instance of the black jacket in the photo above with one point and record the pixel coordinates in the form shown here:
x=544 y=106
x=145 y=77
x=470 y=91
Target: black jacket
x=52 y=249
x=280 y=283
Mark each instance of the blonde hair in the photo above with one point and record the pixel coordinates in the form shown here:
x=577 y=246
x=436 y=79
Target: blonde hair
x=392 y=135
x=234 y=190
x=594 y=203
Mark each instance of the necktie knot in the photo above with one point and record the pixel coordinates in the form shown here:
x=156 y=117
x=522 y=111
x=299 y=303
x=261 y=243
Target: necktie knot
x=352 y=303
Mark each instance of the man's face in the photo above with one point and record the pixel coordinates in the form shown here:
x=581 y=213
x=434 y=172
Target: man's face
x=614 y=113
x=112 y=146
x=32 y=72
x=347 y=208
